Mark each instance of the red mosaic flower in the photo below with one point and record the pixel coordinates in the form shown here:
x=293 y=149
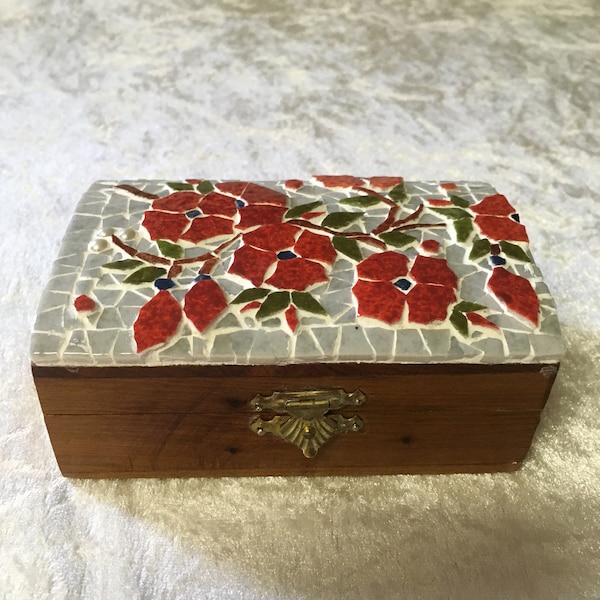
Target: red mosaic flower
x=339 y=181
x=218 y=204
x=428 y=303
x=384 y=266
x=272 y=237
x=384 y=183
x=427 y=269
x=297 y=274
x=157 y=321
x=316 y=247
x=205 y=228
x=252 y=263
x=164 y=226
x=178 y=202
x=516 y=293
x=84 y=303
x=494 y=222
x=204 y=302
x=253 y=215
x=380 y=300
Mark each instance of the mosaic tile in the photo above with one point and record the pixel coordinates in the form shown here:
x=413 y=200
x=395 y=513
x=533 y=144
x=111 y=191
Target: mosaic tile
x=349 y=269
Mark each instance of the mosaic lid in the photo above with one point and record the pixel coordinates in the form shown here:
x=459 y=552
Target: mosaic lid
x=336 y=269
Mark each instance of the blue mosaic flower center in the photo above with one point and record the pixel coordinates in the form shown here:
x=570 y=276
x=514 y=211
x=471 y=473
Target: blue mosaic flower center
x=164 y=283
x=403 y=284
x=286 y=255
x=193 y=213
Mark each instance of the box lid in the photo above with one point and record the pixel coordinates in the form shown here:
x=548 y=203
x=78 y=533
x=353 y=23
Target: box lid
x=336 y=269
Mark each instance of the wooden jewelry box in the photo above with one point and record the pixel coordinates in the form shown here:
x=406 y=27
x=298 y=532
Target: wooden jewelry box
x=342 y=325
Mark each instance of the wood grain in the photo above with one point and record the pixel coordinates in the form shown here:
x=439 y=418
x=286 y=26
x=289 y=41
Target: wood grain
x=416 y=420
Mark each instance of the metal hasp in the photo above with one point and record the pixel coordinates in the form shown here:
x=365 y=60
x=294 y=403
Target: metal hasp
x=304 y=421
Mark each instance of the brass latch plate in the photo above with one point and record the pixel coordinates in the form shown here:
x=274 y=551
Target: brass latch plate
x=302 y=417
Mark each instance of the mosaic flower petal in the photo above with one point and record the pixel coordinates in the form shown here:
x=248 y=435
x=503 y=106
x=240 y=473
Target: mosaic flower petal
x=380 y=300
x=516 y=293
x=501 y=228
x=164 y=226
x=157 y=321
x=251 y=216
x=293 y=184
x=291 y=316
x=204 y=302
x=205 y=228
x=430 y=246
x=493 y=205
x=316 y=247
x=427 y=269
x=218 y=204
x=383 y=183
x=84 y=303
x=339 y=181
x=252 y=263
x=297 y=274
x=179 y=202
x=257 y=194
x=384 y=266
x=448 y=186
x=480 y=321
x=436 y=202
x=272 y=237
x=234 y=188
x=429 y=303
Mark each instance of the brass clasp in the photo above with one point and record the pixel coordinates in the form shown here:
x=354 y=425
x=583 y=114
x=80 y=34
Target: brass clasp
x=305 y=421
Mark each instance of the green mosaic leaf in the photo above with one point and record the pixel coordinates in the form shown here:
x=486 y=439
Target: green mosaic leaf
x=170 y=250
x=460 y=323
x=361 y=201
x=339 y=220
x=347 y=246
x=458 y=201
x=514 y=251
x=451 y=213
x=275 y=302
x=180 y=186
x=398 y=193
x=307 y=302
x=480 y=249
x=123 y=265
x=205 y=187
x=298 y=211
x=145 y=275
x=249 y=295
x=469 y=307
x=463 y=228
x=397 y=239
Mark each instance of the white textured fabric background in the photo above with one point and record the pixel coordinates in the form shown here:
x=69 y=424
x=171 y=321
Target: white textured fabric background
x=505 y=91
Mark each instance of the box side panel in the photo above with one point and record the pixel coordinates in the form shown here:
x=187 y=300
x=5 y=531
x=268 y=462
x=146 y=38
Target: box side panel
x=109 y=427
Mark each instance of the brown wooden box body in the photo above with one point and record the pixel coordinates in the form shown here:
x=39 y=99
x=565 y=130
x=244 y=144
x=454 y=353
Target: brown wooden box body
x=187 y=421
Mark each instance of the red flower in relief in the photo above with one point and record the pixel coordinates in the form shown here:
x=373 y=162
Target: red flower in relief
x=494 y=219
x=283 y=256
x=386 y=284
x=195 y=217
